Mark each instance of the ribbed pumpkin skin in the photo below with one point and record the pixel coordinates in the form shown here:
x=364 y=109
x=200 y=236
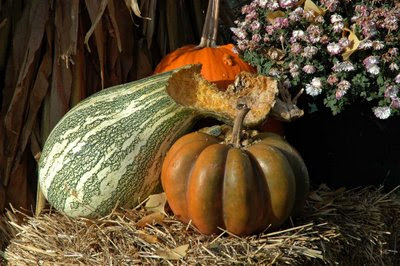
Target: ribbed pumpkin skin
x=241 y=190
x=220 y=64
x=108 y=149
x=296 y=161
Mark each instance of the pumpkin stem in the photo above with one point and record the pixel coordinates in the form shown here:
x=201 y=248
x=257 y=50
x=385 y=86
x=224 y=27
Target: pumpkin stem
x=210 y=27
x=243 y=109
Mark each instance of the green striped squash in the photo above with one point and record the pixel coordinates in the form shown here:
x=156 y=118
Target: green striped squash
x=108 y=149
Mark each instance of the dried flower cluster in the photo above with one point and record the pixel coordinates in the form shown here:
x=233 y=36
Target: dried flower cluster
x=341 y=51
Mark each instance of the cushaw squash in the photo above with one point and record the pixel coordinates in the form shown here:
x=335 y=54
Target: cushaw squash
x=108 y=149
x=240 y=188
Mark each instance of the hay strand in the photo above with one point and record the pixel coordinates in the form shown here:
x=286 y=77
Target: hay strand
x=354 y=227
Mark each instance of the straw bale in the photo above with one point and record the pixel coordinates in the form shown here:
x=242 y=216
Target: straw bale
x=346 y=227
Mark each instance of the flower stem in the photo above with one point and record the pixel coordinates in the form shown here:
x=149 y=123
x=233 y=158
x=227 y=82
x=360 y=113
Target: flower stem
x=238 y=124
x=210 y=27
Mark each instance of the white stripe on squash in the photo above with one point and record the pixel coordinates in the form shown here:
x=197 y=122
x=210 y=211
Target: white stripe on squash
x=62 y=148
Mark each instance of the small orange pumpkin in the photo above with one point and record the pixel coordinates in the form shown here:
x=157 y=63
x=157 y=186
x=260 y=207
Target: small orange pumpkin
x=220 y=63
x=241 y=189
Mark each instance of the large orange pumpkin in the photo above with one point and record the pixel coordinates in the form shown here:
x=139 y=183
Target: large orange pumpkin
x=220 y=63
x=241 y=189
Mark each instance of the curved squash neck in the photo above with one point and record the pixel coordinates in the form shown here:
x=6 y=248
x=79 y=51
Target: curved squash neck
x=210 y=27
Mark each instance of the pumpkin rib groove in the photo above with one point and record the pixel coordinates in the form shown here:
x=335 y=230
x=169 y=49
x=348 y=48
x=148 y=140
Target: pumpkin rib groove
x=296 y=162
x=263 y=191
x=204 y=207
x=279 y=179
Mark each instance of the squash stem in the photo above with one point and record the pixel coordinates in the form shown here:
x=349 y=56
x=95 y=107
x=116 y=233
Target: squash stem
x=243 y=109
x=210 y=27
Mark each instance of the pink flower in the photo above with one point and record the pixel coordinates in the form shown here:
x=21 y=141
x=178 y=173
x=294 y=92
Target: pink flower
x=314 y=33
x=393 y=51
x=336 y=18
x=393 y=67
x=343 y=66
x=240 y=33
x=296 y=48
x=298 y=35
x=270 y=29
x=391 y=91
x=309 y=51
x=294 y=69
x=334 y=48
x=296 y=14
x=262 y=3
x=274 y=72
x=397 y=78
x=252 y=15
x=340 y=93
x=332 y=79
x=391 y=23
x=287 y=3
x=256 y=38
x=312 y=90
x=395 y=104
x=281 y=23
x=316 y=83
x=365 y=44
x=343 y=85
x=273 y=5
x=369 y=28
x=382 y=112
x=371 y=64
x=324 y=39
x=255 y=25
x=309 y=69
x=362 y=10
x=374 y=69
x=330 y=4
x=371 y=60
x=242 y=44
x=338 y=27
x=246 y=9
x=378 y=45
x=344 y=42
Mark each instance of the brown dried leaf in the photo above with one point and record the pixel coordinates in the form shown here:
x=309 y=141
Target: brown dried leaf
x=120 y=64
x=152 y=218
x=173 y=254
x=78 y=90
x=37 y=95
x=173 y=24
x=96 y=11
x=111 y=12
x=143 y=67
x=27 y=40
x=57 y=102
x=2 y=197
x=314 y=196
x=133 y=5
x=150 y=8
x=156 y=203
x=147 y=237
